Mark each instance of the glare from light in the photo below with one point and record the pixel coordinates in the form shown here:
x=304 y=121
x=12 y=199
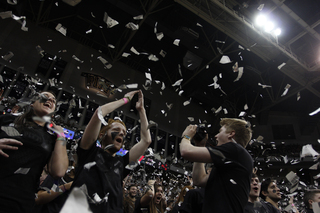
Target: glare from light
x=268 y=26
x=261 y=20
x=277 y=32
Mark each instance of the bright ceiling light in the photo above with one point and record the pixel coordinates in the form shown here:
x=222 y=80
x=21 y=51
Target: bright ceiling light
x=261 y=20
x=277 y=32
x=268 y=26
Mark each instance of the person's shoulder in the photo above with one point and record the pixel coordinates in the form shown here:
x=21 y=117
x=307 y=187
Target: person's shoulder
x=7 y=119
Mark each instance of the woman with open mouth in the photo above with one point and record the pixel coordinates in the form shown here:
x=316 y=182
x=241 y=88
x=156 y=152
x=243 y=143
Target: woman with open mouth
x=100 y=171
x=26 y=145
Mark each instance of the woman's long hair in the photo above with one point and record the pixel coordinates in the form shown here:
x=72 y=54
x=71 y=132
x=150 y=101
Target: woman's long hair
x=26 y=118
x=153 y=205
x=183 y=192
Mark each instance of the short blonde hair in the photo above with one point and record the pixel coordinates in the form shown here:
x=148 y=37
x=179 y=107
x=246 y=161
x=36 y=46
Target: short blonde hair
x=243 y=132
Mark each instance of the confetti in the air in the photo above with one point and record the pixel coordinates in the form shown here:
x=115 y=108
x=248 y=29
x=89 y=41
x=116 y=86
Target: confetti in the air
x=176 y=42
x=8 y=56
x=281 y=65
x=132 y=49
x=160 y=36
x=239 y=74
x=132 y=26
x=22 y=171
x=139 y=17
x=286 y=89
x=77 y=59
x=263 y=86
x=109 y=21
x=225 y=60
x=177 y=83
x=260 y=7
x=61 y=29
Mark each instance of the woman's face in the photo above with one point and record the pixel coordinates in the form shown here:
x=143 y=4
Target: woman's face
x=158 y=195
x=45 y=105
x=115 y=135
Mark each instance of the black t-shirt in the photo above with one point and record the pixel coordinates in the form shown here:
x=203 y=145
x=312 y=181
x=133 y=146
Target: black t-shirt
x=193 y=201
x=260 y=207
x=100 y=176
x=17 y=190
x=139 y=209
x=56 y=204
x=228 y=185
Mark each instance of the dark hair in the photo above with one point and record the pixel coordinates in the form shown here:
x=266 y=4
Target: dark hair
x=309 y=195
x=132 y=185
x=264 y=187
x=26 y=117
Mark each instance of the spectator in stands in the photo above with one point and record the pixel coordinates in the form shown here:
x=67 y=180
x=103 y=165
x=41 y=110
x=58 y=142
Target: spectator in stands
x=153 y=201
x=310 y=197
x=26 y=146
x=130 y=199
x=100 y=171
x=227 y=186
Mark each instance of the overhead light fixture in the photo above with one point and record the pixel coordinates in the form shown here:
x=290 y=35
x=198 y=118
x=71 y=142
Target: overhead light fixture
x=72 y=2
x=268 y=27
x=277 y=32
x=261 y=20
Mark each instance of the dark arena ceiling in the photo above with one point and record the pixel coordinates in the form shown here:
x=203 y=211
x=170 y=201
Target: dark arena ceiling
x=206 y=31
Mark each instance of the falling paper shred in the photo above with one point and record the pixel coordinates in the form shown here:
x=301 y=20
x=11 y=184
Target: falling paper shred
x=220 y=51
x=132 y=49
x=246 y=107
x=180 y=92
x=179 y=68
x=260 y=7
x=176 y=42
x=132 y=86
x=307 y=150
x=281 y=65
x=286 y=89
x=89 y=31
x=163 y=53
x=232 y=181
x=160 y=36
x=125 y=54
x=148 y=76
x=225 y=111
x=61 y=29
x=263 y=86
x=224 y=60
x=76 y=202
x=191 y=119
x=139 y=17
x=23 y=171
x=132 y=26
x=221 y=42
x=111 y=46
x=241 y=47
x=186 y=102
x=109 y=21
x=242 y=114
x=218 y=110
x=7 y=14
x=89 y=165
x=76 y=58
x=153 y=58
x=177 y=83
x=235 y=67
x=8 y=56
x=315 y=112
x=239 y=74
x=298 y=96
x=199 y=25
